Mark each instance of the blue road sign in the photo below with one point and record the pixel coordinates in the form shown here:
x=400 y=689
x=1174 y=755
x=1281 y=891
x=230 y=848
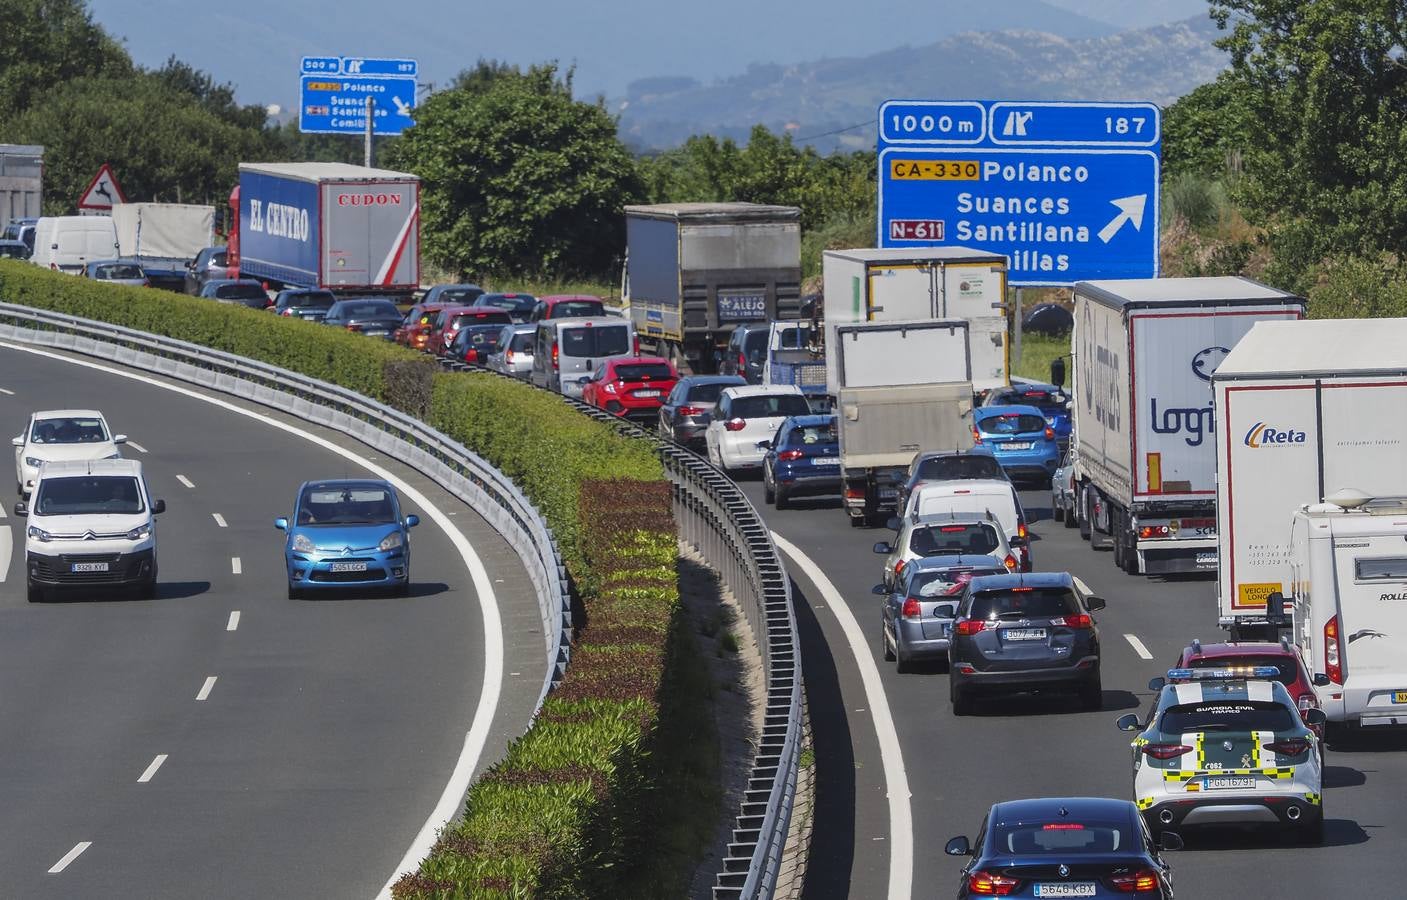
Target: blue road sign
x=1067 y=191
x=333 y=101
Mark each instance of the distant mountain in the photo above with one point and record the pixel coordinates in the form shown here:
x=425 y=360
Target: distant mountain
x=1125 y=15
x=832 y=102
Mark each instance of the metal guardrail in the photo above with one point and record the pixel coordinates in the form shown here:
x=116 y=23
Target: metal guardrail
x=398 y=435
x=717 y=519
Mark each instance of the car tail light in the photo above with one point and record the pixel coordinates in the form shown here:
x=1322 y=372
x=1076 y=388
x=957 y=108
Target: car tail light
x=912 y=609
x=1332 y=667
x=1139 y=882
x=976 y=435
x=635 y=345
x=508 y=357
x=1305 y=702
x=288 y=312
x=1050 y=434
x=555 y=364
x=610 y=387
x=742 y=363
x=852 y=493
x=990 y=884
x=969 y=627
x=1021 y=530
x=352 y=326
x=1154 y=531
x=1078 y=620
x=691 y=410
x=735 y=424
x=790 y=455
x=1288 y=746
x=1165 y=751
x=471 y=356
x=1011 y=563
x=899 y=567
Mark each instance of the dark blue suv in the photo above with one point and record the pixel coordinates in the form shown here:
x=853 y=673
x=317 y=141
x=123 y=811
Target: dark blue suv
x=802 y=459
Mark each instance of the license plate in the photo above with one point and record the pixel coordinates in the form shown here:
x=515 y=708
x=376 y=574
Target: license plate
x=1399 y=696
x=1023 y=634
x=375 y=332
x=886 y=493
x=1066 y=889
x=1229 y=784
x=1017 y=445
x=89 y=567
x=348 y=567
x=647 y=393
x=825 y=461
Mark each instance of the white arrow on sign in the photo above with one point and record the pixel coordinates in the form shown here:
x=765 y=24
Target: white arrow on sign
x=401 y=108
x=1130 y=210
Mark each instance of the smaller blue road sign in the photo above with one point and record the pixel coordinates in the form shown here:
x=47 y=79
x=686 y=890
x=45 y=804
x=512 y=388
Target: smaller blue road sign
x=334 y=91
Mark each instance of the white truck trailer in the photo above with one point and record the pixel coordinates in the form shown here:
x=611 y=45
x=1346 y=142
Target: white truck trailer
x=1144 y=353
x=1304 y=410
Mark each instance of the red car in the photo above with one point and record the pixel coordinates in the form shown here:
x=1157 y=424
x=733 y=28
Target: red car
x=415 y=330
x=452 y=318
x=1255 y=653
x=631 y=387
x=567 y=306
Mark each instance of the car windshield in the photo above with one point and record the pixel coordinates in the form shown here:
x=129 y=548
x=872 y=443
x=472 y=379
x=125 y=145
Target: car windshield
x=706 y=392
x=945 y=582
x=1283 y=664
x=77 y=430
x=599 y=340
x=974 y=537
x=89 y=495
x=812 y=434
x=643 y=371
x=483 y=337
x=768 y=406
x=459 y=295
x=755 y=341
x=576 y=309
x=795 y=338
x=959 y=468
x=240 y=292
x=516 y=303
x=221 y=258
x=481 y=317
x=335 y=505
x=119 y=270
x=1227 y=715
x=376 y=309
x=1011 y=423
x=311 y=300
x=1026 y=603
x=1063 y=837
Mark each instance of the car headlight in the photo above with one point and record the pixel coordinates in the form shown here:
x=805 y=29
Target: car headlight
x=390 y=542
x=140 y=533
x=113 y=456
x=302 y=544
x=34 y=461
x=38 y=534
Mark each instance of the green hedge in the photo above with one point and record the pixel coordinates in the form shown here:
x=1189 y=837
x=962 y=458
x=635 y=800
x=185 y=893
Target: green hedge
x=559 y=816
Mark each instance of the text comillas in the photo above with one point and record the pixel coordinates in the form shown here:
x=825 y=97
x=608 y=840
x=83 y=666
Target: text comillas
x=279 y=220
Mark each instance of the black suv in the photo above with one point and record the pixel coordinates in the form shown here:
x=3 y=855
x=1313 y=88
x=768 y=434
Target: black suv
x=1030 y=632
x=950 y=465
x=746 y=352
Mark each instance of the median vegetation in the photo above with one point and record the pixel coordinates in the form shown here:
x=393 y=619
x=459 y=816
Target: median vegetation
x=582 y=805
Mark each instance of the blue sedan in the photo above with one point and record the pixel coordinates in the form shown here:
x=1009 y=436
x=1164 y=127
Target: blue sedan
x=1051 y=400
x=802 y=458
x=1019 y=438
x=347 y=534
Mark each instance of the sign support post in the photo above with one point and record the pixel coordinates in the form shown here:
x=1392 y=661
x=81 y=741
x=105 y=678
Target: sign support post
x=370 y=117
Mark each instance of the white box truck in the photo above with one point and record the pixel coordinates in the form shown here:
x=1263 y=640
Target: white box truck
x=1144 y=353
x=900 y=388
x=932 y=283
x=1303 y=411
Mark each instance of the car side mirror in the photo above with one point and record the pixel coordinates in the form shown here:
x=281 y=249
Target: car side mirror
x=894 y=523
x=21 y=509
x=946 y=610
x=1127 y=722
x=1275 y=609
x=412 y=520
x=1314 y=716
x=1321 y=680
x=1057 y=371
x=281 y=523
x=764 y=445
x=17 y=441
x=1170 y=840
x=883 y=547
x=584 y=380
x=1018 y=541
x=119 y=438
x=1157 y=684
x=158 y=507
x=1093 y=603
x=879 y=590
x=958 y=846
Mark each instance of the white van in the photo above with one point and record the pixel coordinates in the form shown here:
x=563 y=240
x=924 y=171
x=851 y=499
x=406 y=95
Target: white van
x=1348 y=574
x=566 y=350
x=67 y=243
x=997 y=497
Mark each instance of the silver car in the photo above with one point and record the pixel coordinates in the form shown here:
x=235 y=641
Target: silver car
x=916 y=619
x=747 y=416
x=513 y=353
x=1062 y=490
x=943 y=534
x=116 y=271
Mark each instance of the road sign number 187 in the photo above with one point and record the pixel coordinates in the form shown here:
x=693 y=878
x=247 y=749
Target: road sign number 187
x=1123 y=124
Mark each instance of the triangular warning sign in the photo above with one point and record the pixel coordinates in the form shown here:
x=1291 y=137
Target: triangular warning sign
x=103 y=191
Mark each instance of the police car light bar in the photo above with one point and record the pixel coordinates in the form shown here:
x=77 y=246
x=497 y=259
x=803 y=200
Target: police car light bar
x=1222 y=674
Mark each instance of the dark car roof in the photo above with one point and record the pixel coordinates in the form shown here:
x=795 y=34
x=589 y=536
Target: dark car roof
x=953 y=561
x=1244 y=648
x=692 y=380
x=1027 y=579
x=1045 y=809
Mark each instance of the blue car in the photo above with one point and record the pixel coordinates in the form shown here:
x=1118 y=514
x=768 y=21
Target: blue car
x=802 y=459
x=347 y=534
x=1065 y=847
x=1052 y=401
x=1019 y=438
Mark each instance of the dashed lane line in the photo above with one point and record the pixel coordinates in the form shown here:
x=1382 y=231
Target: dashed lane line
x=220 y=520
x=1137 y=646
x=184 y=480
x=69 y=857
x=206 y=688
x=151 y=769
x=233 y=623
x=236 y=567
x=136 y=446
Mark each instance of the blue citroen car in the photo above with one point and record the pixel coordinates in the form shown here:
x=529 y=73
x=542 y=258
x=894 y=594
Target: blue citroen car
x=1065 y=847
x=347 y=534
x=1051 y=400
x=803 y=458
x=1019 y=438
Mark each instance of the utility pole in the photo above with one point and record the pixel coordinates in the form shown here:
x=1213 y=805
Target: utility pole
x=370 y=114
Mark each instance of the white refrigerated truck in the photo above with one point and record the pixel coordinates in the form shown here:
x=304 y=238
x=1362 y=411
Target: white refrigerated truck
x=1304 y=410
x=1144 y=353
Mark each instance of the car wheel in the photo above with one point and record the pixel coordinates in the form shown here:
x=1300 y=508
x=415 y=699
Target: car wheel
x=783 y=501
x=1057 y=511
x=1092 y=696
x=1071 y=520
x=961 y=699
x=1313 y=833
x=769 y=493
x=884 y=647
x=34 y=592
x=856 y=521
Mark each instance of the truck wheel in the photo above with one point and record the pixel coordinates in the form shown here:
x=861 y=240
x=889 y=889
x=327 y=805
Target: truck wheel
x=1057 y=511
x=1082 y=520
x=1071 y=520
x=1130 y=565
x=1117 y=528
x=855 y=521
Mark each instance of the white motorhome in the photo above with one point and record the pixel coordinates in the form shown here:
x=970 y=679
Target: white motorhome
x=67 y=243
x=1347 y=572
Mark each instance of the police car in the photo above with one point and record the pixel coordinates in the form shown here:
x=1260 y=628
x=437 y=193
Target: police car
x=1227 y=747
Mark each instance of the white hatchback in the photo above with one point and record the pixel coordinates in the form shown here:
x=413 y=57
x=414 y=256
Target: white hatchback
x=745 y=416
x=59 y=435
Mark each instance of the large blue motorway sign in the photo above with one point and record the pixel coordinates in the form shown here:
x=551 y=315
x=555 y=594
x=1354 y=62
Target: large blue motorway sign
x=335 y=89
x=1067 y=191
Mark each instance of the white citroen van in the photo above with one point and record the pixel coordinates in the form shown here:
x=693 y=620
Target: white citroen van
x=67 y=243
x=983 y=495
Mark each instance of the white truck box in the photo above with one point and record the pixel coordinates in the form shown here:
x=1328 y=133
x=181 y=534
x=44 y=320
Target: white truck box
x=1144 y=352
x=1304 y=410
x=67 y=243
x=914 y=284
x=171 y=230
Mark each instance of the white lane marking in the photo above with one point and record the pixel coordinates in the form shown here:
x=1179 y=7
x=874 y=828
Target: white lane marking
x=151 y=769
x=7 y=392
x=69 y=857
x=220 y=520
x=901 y=853
x=477 y=736
x=206 y=688
x=136 y=446
x=6 y=549
x=1137 y=646
x=1083 y=588
x=236 y=567
x=184 y=480
x=233 y=623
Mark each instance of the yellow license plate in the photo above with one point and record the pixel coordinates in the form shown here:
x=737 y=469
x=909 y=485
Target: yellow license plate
x=935 y=170
x=1399 y=696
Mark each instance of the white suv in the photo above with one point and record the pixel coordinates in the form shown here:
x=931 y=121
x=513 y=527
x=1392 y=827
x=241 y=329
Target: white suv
x=90 y=524
x=61 y=434
x=745 y=416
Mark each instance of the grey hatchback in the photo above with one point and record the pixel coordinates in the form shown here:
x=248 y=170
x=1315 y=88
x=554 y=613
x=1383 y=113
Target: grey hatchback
x=1027 y=632
x=916 y=620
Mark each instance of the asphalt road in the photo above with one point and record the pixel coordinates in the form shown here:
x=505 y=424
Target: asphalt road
x=292 y=751
x=1032 y=747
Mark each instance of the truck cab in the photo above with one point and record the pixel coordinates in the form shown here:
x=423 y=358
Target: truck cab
x=1347 y=569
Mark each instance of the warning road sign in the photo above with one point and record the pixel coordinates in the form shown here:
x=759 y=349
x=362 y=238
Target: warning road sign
x=103 y=191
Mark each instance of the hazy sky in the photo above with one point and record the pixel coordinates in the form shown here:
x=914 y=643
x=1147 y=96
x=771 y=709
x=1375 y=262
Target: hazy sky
x=257 y=44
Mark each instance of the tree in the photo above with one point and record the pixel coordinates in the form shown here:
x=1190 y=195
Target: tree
x=48 y=42
x=519 y=178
